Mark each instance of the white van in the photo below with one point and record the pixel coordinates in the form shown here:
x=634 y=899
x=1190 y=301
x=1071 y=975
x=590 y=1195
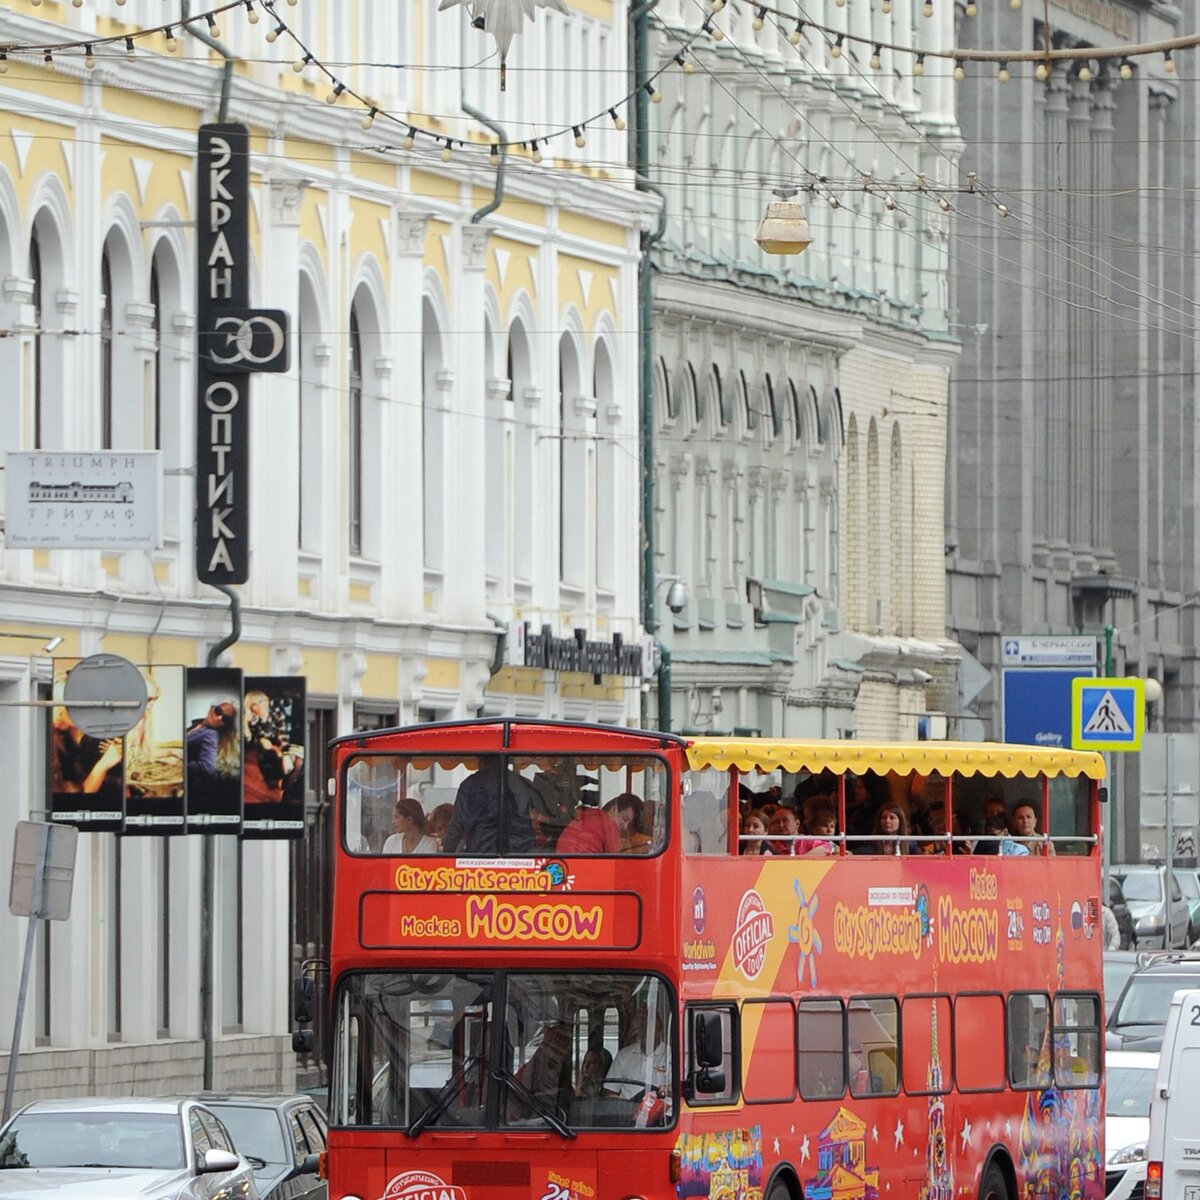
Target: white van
x=1173 y=1147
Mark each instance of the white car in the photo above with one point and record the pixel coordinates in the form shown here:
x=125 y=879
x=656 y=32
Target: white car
x=1129 y=1084
x=100 y=1149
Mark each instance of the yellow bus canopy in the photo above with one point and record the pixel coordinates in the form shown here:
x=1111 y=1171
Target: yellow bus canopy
x=905 y=758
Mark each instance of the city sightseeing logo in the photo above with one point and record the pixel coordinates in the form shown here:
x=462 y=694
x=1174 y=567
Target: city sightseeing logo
x=421 y=1185
x=752 y=935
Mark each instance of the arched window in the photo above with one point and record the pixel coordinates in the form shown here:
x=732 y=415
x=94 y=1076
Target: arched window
x=605 y=504
x=721 y=403
x=433 y=448
x=874 y=558
x=574 y=467
x=776 y=423
x=37 y=364
x=497 y=437
x=748 y=408
x=311 y=425
x=106 y=352
x=520 y=388
x=355 y=438
x=900 y=553
x=156 y=379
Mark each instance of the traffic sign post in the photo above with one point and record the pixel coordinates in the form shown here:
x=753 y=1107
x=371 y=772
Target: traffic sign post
x=1107 y=714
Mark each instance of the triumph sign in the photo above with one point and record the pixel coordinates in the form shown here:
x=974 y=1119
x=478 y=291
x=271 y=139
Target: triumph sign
x=233 y=341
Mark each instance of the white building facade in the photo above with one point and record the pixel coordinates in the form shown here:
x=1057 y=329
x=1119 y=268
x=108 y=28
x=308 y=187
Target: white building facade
x=800 y=402
x=452 y=450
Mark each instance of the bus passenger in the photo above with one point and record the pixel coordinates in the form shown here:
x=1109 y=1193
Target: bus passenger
x=753 y=826
x=785 y=828
x=476 y=818
x=1025 y=825
x=626 y=811
x=438 y=821
x=596 y=1064
x=998 y=837
x=408 y=830
x=822 y=824
x=590 y=831
x=643 y=1060
x=891 y=828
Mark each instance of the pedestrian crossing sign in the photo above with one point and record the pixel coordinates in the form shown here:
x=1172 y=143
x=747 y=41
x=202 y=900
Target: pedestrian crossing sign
x=1107 y=714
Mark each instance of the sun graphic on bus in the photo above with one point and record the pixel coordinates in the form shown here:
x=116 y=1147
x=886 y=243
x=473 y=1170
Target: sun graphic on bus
x=804 y=933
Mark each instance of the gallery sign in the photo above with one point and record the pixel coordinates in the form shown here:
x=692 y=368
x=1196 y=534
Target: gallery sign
x=104 y=500
x=233 y=340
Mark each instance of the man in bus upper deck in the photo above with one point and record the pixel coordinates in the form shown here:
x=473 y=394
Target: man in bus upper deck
x=483 y=799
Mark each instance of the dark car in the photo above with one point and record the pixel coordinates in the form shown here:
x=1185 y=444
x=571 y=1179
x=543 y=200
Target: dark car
x=1120 y=910
x=280 y=1136
x=1139 y=1017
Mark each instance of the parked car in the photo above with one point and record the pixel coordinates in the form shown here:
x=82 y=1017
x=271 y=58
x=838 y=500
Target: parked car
x=280 y=1135
x=1118 y=966
x=96 y=1149
x=1160 y=913
x=1189 y=884
x=1140 y=1014
x=1120 y=910
x=1129 y=1085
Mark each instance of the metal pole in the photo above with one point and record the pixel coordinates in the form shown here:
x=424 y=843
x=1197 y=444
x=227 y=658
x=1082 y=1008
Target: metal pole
x=1170 y=875
x=1111 y=817
x=35 y=915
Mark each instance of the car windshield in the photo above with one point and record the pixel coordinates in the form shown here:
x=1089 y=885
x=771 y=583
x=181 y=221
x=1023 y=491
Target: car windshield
x=1142 y=885
x=149 y=1141
x=565 y=1051
x=255 y=1131
x=1116 y=971
x=1128 y=1091
x=1147 y=998
x=1189 y=885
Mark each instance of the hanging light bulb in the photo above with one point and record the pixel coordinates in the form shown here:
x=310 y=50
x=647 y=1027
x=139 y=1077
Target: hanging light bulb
x=796 y=34
x=1168 y=63
x=835 y=50
x=759 y=19
x=494 y=154
x=886 y=7
x=77 y=3
x=1002 y=75
x=536 y=154
x=653 y=92
x=927 y=10
x=130 y=49
x=410 y=138
x=717 y=32
x=617 y=120
x=919 y=66
x=876 y=59
x=369 y=118
x=335 y=93
x=959 y=73
x=1084 y=74
x=717 y=5
x=1042 y=73
x=89 y=58
x=48 y=58
x=251 y=12
x=172 y=44
x=580 y=140
x=446 y=151
x=1126 y=71
x=3 y=63
x=1014 y=3
x=212 y=25
x=971 y=8
x=300 y=63
x=273 y=34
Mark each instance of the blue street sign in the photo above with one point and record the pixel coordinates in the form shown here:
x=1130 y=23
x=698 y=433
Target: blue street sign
x=1036 y=704
x=1108 y=714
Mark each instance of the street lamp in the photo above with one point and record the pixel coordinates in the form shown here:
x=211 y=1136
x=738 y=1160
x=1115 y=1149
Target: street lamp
x=784 y=228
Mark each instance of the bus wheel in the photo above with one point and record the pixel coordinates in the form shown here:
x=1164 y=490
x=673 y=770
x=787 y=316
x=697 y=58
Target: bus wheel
x=779 y=1191
x=993 y=1186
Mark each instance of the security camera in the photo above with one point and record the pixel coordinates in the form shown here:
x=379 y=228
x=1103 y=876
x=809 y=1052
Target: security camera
x=677 y=597
x=921 y=676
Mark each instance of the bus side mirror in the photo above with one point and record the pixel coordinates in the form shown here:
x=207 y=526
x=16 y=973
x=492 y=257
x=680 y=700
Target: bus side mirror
x=1103 y=794
x=709 y=1050
x=304 y=1041
x=303 y=993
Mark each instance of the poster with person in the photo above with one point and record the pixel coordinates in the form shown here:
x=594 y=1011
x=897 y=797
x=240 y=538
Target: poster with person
x=273 y=729
x=213 y=750
x=155 y=771
x=85 y=775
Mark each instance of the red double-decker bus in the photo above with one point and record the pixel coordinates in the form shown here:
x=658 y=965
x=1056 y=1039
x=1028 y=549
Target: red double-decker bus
x=558 y=971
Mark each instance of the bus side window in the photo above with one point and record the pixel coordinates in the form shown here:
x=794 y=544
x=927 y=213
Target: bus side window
x=1076 y=1040
x=821 y=1042
x=1029 y=1044
x=872 y=1045
x=978 y=1056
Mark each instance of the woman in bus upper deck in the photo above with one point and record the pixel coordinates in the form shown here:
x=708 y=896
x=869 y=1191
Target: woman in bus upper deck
x=891 y=829
x=754 y=828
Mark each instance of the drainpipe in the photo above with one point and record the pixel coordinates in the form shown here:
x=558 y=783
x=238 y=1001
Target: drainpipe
x=202 y=35
x=640 y=24
x=494 y=126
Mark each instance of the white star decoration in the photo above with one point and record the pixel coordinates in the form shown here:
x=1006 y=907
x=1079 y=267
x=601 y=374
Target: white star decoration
x=776 y=1146
x=966 y=1133
x=1008 y=1129
x=503 y=19
x=875 y=1133
x=804 y=1151
x=898 y=1133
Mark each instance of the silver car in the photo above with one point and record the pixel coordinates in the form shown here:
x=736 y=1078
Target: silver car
x=1161 y=923
x=113 y=1149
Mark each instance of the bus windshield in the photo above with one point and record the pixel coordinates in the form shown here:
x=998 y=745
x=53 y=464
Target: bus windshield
x=562 y=1050
x=493 y=805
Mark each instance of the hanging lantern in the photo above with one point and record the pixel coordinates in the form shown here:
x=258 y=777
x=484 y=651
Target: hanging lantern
x=784 y=229
x=503 y=20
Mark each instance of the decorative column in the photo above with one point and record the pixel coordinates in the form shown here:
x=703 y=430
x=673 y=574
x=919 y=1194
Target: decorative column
x=1102 y=357
x=1081 y=419
x=401 y=580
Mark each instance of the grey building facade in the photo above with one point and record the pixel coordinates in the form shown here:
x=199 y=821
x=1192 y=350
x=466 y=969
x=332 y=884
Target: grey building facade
x=1071 y=477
